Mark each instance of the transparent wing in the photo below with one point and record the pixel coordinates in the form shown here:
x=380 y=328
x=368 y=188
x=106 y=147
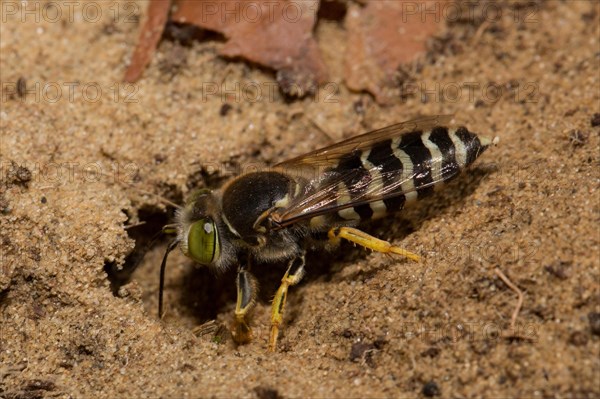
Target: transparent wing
x=336 y=177
x=330 y=155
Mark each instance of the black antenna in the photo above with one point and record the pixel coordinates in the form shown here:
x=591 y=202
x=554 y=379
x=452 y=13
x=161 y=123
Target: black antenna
x=163 y=266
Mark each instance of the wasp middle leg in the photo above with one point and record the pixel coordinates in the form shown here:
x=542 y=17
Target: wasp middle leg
x=292 y=276
x=246 y=299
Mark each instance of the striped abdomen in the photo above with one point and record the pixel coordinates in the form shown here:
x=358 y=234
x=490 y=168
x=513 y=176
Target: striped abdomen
x=396 y=171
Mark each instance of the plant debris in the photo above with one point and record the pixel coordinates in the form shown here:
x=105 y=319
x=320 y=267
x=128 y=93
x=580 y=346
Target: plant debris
x=277 y=35
x=383 y=36
x=578 y=138
x=158 y=11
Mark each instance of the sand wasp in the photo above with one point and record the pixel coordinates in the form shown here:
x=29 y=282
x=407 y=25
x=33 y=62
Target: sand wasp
x=315 y=200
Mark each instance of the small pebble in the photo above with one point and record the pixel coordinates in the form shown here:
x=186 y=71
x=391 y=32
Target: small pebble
x=578 y=338
x=431 y=389
x=225 y=108
x=594 y=319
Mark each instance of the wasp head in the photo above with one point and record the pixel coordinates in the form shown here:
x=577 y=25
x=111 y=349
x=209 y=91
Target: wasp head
x=197 y=228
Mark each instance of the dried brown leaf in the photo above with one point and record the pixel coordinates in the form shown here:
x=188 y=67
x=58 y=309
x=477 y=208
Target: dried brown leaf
x=382 y=36
x=158 y=12
x=273 y=34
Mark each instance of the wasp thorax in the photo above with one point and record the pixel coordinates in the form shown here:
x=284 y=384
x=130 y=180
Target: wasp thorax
x=203 y=242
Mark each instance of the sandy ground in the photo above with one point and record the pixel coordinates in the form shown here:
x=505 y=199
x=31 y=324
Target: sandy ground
x=77 y=170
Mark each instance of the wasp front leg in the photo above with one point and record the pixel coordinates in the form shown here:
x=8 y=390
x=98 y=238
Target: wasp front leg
x=292 y=276
x=246 y=299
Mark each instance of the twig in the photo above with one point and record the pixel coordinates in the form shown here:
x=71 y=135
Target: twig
x=131 y=226
x=479 y=32
x=321 y=130
x=516 y=289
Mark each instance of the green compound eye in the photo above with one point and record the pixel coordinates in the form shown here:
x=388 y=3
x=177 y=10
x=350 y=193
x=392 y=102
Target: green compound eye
x=203 y=242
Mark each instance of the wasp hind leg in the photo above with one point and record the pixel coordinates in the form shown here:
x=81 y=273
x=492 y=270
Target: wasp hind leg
x=361 y=238
x=292 y=276
x=246 y=299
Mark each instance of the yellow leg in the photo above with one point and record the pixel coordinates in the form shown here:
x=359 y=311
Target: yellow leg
x=292 y=276
x=361 y=238
x=246 y=299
